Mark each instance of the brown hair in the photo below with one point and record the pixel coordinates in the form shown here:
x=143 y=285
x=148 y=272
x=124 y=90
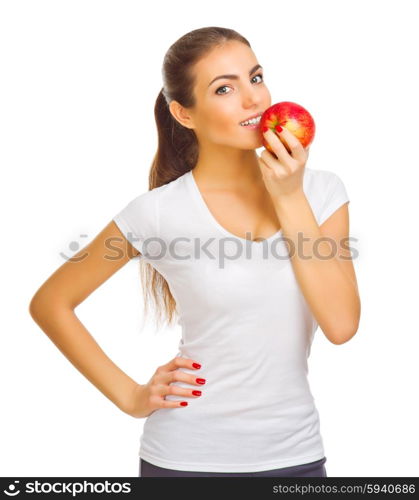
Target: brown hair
x=177 y=151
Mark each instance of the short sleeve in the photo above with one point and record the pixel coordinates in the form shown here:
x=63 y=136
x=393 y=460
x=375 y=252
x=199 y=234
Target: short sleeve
x=138 y=220
x=335 y=196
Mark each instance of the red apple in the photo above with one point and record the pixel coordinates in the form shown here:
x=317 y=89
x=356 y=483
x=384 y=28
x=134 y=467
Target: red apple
x=288 y=115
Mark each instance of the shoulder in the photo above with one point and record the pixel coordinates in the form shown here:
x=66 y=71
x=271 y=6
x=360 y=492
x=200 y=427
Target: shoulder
x=144 y=207
x=151 y=197
x=321 y=184
x=319 y=178
x=159 y=192
x=326 y=192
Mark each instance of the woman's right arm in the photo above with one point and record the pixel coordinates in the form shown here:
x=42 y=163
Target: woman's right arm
x=53 y=309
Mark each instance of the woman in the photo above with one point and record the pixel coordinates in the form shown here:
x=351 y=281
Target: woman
x=218 y=236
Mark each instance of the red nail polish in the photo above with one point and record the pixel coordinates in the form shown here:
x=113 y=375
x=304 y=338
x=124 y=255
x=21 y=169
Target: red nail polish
x=200 y=380
x=196 y=365
x=278 y=128
x=196 y=393
x=183 y=403
x=265 y=128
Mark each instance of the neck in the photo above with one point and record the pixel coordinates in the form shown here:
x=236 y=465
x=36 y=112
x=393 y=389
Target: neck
x=231 y=169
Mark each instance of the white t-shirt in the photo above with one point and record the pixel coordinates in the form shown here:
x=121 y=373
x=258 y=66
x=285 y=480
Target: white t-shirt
x=244 y=318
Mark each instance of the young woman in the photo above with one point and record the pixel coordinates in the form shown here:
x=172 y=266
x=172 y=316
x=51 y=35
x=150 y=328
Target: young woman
x=246 y=252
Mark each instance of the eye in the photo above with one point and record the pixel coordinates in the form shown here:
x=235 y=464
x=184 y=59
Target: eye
x=225 y=86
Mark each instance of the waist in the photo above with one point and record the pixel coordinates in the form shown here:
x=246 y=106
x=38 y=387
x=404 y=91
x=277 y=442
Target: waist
x=237 y=433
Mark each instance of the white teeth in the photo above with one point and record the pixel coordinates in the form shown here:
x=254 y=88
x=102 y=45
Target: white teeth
x=253 y=121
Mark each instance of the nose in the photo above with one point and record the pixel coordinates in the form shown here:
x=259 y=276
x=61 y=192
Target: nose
x=251 y=98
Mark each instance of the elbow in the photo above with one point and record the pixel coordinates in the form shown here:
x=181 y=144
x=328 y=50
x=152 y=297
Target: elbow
x=342 y=332
x=45 y=303
x=34 y=307
x=341 y=336
x=38 y=304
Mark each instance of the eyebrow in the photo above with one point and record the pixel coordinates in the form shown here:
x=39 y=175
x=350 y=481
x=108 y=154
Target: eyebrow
x=235 y=77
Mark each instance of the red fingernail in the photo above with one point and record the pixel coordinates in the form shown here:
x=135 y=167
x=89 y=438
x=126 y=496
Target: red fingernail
x=183 y=403
x=278 y=128
x=196 y=393
x=200 y=380
x=196 y=365
x=265 y=128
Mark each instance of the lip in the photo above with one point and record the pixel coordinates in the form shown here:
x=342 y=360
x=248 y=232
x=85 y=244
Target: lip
x=250 y=117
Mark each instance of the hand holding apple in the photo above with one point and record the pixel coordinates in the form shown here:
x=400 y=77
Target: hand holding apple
x=287 y=130
x=282 y=173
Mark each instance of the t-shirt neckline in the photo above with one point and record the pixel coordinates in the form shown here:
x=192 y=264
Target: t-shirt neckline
x=200 y=199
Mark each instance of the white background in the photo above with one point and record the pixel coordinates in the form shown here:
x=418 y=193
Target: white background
x=78 y=87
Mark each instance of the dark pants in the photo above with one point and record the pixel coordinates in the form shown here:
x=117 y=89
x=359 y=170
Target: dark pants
x=312 y=469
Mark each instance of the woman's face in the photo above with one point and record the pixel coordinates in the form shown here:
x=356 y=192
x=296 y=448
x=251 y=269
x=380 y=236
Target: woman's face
x=222 y=103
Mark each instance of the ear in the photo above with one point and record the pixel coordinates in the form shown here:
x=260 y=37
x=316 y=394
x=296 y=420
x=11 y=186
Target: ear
x=181 y=115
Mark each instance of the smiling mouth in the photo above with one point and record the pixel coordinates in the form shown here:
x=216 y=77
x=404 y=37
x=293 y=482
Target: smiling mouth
x=252 y=121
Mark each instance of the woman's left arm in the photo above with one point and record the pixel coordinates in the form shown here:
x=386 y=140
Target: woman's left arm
x=323 y=268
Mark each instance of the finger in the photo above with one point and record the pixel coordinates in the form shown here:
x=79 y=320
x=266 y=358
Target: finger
x=172 y=404
x=165 y=403
x=175 y=390
x=265 y=170
x=181 y=376
x=278 y=148
x=273 y=164
x=157 y=399
x=178 y=362
x=263 y=165
x=297 y=149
